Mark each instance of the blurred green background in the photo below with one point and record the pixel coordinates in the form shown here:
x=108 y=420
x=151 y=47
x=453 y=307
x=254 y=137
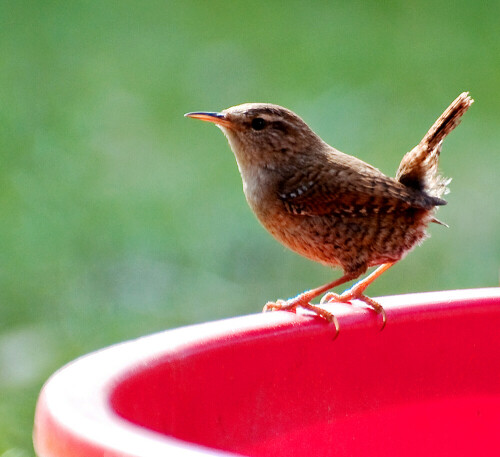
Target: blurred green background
x=119 y=217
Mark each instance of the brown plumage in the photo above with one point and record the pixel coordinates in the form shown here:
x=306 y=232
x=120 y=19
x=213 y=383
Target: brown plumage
x=328 y=206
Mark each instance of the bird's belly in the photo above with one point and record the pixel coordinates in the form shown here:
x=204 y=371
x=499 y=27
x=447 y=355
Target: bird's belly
x=353 y=242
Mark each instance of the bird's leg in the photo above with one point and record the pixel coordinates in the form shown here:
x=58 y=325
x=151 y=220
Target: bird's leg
x=304 y=300
x=356 y=292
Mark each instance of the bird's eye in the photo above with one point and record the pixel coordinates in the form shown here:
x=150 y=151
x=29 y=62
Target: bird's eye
x=258 y=123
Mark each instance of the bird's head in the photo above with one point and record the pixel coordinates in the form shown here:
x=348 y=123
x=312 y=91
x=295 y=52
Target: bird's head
x=263 y=134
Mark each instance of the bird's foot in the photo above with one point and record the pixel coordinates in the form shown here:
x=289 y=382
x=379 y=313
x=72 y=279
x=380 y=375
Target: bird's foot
x=330 y=297
x=292 y=304
x=281 y=305
x=355 y=293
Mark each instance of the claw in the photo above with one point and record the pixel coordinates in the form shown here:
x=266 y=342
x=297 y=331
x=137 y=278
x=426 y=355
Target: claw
x=351 y=294
x=291 y=306
x=329 y=297
x=377 y=307
x=280 y=305
x=329 y=317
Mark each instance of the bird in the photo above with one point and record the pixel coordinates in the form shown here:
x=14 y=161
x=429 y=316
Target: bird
x=331 y=207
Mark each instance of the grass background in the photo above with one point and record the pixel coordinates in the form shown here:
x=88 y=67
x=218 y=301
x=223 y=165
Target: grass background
x=119 y=217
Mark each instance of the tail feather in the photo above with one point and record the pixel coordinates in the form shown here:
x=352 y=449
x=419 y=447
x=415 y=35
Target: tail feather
x=419 y=167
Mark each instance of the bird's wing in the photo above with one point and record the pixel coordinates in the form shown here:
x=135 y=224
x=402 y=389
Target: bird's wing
x=347 y=190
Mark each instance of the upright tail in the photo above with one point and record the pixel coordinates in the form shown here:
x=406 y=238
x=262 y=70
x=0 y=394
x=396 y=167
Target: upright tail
x=419 y=167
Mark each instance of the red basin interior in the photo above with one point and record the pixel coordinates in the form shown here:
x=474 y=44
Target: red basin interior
x=281 y=385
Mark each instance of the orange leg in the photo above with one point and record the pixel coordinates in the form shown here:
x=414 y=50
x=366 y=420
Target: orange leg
x=305 y=297
x=356 y=292
x=303 y=300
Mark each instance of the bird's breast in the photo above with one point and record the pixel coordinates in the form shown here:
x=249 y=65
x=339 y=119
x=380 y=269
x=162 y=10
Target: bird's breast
x=259 y=186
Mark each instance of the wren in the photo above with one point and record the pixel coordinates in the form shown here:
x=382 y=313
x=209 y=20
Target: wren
x=331 y=207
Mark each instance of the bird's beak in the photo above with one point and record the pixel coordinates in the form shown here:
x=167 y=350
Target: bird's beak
x=216 y=118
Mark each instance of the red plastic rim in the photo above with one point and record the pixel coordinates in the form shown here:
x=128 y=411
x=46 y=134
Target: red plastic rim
x=277 y=384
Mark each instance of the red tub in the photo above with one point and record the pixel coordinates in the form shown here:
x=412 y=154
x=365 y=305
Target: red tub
x=277 y=384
